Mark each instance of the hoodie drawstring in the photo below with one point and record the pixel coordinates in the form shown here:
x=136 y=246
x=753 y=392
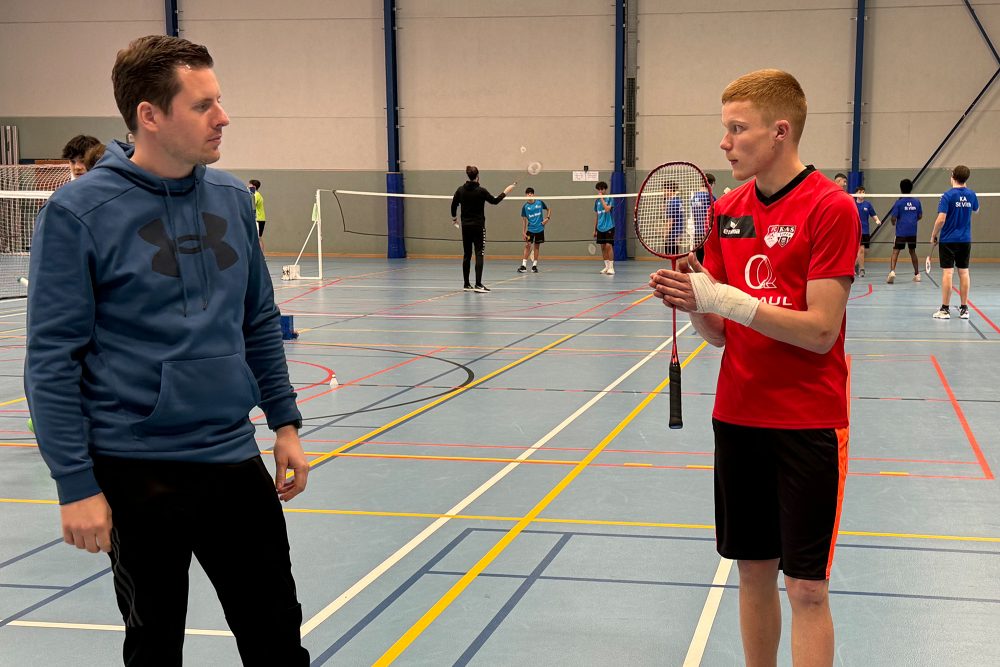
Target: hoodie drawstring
x=175 y=248
x=205 y=273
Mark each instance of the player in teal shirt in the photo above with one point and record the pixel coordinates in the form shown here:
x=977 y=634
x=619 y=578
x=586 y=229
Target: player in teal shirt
x=604 y=227
x=535 y=215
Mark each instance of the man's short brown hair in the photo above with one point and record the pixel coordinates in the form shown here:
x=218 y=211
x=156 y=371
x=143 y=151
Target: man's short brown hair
x=776 y=94
x=961 y=173
x=146 y=71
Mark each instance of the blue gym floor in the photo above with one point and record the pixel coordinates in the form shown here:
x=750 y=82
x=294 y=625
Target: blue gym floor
x=495 y=482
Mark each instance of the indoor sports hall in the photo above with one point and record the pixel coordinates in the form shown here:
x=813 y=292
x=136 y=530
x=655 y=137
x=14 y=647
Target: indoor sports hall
x=493 y=476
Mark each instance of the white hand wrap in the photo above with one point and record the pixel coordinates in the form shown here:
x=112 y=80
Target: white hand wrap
x=723 y=300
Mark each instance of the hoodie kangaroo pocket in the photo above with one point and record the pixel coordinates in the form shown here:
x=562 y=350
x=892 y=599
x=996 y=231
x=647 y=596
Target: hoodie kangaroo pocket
x=217 y=393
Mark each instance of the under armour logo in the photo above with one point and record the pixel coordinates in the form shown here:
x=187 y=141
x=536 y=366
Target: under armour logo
x=165 y=261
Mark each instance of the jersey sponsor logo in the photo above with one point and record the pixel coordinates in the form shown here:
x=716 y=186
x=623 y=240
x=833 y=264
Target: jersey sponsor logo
x=780 y=234
x=759 y=273
x=739 y=227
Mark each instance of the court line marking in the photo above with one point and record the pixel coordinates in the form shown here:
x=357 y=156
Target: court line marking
x=445 y=601
x=696 y=649
x=109 y=628
x=440 y=521
x=16 y=400
x=987 y=473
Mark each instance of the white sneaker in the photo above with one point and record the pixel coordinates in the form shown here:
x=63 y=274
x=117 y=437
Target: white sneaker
x=963 y=312
x=941 y=314
x=604 y=270
x=610 y=272
x=916 y=277
x=892 y=277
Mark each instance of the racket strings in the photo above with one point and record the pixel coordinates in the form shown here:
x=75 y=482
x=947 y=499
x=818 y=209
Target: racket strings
x=673 y=212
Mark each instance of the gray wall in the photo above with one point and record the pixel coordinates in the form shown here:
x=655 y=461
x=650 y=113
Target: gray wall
x=303 y=82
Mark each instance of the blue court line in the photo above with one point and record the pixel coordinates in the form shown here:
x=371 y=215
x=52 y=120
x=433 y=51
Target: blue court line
x=29 y=553
x=521 y=591
x=65 y=591
x=389 y=599
x=33 y=587
x=689 y=584
x=536 y=575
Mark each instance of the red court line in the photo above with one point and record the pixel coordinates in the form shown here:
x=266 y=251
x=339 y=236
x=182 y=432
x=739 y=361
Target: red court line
x=988 y=474
x=981 y=314
x=329 y=373
x=604 y=303
x=564 y=301
x=355 y=381
x=861 y=296
x=941 y=462
x=310 y=291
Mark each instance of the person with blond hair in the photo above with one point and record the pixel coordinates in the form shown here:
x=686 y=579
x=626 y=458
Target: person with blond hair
x=773 y=290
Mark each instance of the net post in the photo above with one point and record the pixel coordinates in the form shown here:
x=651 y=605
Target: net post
x=394 y=216
x=319 y=236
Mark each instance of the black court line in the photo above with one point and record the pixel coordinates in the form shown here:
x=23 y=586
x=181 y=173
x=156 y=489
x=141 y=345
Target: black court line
x=65 y=591
x=440 y=375
x=508 y=606
x=27 y=554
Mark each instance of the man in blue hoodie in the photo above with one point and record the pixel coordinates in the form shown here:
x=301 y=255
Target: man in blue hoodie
x=152 y=333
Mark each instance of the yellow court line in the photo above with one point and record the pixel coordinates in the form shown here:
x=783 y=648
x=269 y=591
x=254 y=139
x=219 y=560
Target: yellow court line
x=16 y=400
x=897 y=474
x=645 y=298
x=438 y=401
x=578 y=522
x=417 y=628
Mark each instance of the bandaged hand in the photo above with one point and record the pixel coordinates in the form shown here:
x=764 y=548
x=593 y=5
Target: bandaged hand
x=723 y=300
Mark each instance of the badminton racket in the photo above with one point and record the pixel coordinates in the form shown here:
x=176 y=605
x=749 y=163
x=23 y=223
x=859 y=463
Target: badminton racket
x=668 y=226
x=927 y=262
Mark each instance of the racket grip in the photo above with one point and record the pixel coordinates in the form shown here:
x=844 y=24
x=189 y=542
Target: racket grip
x=675 y=395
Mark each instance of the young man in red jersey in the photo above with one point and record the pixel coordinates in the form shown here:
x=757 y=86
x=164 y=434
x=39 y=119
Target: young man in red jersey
x=773 y=290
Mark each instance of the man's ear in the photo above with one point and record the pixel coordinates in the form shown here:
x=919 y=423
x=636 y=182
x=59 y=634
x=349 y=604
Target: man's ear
x=147 y=116
x=782 y=130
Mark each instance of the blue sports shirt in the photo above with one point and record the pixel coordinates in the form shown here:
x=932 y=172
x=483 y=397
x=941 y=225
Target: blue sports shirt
x=605 y=223
x=907 y=211
x=958 y=205
x=865 y=211
x=533 y=212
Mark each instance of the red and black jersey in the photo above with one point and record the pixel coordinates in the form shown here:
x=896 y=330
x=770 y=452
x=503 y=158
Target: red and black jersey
x=770 y=247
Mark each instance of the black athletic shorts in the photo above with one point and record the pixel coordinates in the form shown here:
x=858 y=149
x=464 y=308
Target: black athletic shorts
x=778 y=494
x=954 y=255
x=260 y=228
x=605 y=237
x=866 y=240
x=536 y=237
x=901 y=241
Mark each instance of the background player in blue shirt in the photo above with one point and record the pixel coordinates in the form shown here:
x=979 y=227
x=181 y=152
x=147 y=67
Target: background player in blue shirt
x=604 y=227
x=953 y=228
x=700 y=202
x=535 y=215
x=905 y=214
x=865 y=211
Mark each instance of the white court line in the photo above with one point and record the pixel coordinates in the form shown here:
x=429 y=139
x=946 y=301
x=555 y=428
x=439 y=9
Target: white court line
x=109 y=628
x=385 y=565
x=700 y=639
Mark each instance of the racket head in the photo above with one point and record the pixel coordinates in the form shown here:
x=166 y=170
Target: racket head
x=674 y=210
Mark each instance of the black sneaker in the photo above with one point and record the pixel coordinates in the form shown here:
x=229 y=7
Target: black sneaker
x=963 y=312
x=522 y=269
x=480 y=288
x=534 y=269
x=467 y=287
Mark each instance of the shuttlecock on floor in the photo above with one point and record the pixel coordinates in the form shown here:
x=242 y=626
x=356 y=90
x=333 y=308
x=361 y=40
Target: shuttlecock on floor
x=333 y=381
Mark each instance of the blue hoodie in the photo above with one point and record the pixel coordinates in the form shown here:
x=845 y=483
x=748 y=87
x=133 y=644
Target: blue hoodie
x=152 y=328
